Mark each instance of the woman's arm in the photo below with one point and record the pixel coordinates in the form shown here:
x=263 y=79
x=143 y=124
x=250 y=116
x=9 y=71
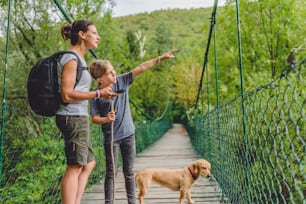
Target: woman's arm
x=70 y=95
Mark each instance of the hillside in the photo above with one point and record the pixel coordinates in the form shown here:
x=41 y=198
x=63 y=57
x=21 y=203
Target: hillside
x=187 y=28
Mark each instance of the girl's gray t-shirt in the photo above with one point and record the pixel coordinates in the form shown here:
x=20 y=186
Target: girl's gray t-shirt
x=123 y=124
x=80 y=107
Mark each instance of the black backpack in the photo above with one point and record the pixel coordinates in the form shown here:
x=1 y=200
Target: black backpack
x=42 y=86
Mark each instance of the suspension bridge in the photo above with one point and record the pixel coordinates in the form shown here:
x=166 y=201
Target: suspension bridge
x=172 y=151
x=255 y=143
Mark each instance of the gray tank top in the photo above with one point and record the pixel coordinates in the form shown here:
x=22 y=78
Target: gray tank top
x=80 y=107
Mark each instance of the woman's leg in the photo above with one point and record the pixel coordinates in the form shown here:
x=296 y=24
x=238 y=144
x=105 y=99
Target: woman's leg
x=79 y=155
x=74 y=182
x=69 y=186
x=82 y=179
x=128 y=152
x=109 y=179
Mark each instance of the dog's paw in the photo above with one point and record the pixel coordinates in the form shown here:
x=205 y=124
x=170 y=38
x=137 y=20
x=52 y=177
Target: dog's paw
x=191 y=202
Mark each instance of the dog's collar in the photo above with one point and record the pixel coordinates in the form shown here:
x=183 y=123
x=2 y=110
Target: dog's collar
x=193 y=176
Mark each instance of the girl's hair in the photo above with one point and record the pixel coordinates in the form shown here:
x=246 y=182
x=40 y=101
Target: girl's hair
x=71 y=32
x=98 y=67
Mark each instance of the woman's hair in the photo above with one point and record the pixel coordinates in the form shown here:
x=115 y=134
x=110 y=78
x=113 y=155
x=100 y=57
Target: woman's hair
x=98 y=67
x=71 y=32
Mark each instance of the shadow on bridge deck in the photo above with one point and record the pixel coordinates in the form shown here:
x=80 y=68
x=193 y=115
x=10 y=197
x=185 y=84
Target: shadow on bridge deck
x=173 y=150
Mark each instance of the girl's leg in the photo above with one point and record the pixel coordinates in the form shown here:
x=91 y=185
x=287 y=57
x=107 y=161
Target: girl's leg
x=128 y=152
x=108 y=183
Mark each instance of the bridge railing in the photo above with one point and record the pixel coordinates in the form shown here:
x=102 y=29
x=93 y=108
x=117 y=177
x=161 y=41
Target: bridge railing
x=268 y=164
x=33 y=162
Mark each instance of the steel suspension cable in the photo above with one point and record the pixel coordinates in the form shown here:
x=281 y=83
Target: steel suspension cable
x=212 y=24
x=4 y=86
x=220 y=139
x=148 y=116
x=213 y=30
x=245 y=136
x=208 y=116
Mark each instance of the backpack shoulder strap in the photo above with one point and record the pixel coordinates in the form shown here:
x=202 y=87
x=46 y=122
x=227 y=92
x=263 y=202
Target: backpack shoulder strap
x=80 y=68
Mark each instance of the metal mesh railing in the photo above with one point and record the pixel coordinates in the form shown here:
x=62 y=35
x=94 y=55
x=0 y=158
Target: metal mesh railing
x=33 y=160
x=267 y=166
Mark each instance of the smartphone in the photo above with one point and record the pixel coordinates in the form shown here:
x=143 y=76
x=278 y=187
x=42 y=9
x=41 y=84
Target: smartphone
x=119 y=91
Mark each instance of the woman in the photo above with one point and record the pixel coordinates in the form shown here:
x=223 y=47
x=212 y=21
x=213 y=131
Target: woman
x=72 y=117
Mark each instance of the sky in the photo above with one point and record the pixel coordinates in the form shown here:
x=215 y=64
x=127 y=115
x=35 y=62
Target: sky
x=128 y=7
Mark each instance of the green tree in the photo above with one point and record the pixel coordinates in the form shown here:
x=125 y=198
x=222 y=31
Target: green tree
x=269 y=30
x=134 y=47
x=155 y=97
x=162 y=40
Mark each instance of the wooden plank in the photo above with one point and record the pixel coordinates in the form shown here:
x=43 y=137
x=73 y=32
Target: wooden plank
x=173 y=150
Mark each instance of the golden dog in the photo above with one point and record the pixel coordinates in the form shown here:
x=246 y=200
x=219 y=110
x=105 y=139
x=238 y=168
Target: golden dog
x=175 y=179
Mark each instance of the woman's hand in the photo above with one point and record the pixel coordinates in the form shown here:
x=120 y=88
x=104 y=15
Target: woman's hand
x=107 y=93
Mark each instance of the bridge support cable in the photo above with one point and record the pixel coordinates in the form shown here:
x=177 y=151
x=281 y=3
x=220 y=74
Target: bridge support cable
x=245 y=136
x=4 y=106
x=209 y=150
x=219 y=136
x=148 y=116
x=212 y=33
x=212 y=24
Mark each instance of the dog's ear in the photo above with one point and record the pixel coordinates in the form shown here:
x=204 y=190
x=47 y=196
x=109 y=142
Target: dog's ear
x=196 y=169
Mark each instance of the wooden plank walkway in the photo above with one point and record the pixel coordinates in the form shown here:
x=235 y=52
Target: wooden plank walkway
x=173 y=150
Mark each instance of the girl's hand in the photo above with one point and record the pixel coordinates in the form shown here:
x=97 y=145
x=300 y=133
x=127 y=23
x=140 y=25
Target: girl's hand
x=111 y=116
x=168 y=54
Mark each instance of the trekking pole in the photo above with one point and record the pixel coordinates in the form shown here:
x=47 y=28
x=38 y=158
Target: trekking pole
x=112 y=152
x=112 y=144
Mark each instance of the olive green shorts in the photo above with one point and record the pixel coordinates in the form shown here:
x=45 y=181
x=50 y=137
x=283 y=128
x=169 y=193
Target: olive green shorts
x=75 y=131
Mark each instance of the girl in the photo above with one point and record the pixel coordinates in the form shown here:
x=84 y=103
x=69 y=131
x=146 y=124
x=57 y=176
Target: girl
x=123 y=131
